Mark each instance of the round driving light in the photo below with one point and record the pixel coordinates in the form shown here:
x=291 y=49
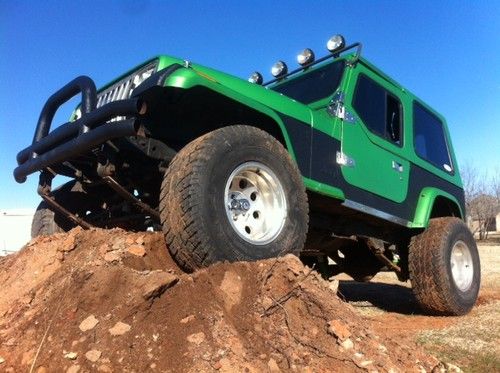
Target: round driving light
x=305 y=57
x=335 y=43
x=279 y=69
x=256 y=78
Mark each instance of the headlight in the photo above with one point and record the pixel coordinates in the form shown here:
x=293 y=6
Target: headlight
x=279 y=69
x=256 y=78
x=305 y=57
x=335 y=43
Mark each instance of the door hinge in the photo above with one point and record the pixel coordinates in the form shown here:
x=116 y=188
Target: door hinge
x=336 y=108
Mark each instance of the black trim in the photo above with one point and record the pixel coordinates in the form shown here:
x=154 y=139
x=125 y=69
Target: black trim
x=317 y=161
x=300 y=134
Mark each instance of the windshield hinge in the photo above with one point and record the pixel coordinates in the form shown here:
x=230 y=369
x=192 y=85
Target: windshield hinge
x=336 y=108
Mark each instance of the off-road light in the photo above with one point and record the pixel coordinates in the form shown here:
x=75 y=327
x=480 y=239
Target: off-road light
x=256 y=78
x=305 y=57
x=279 y=69
x=335 y=43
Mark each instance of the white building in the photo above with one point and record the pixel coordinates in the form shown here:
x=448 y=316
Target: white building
x=15 y=229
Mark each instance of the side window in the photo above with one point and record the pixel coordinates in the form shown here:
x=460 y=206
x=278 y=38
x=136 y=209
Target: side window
x=379 y=110
x=430 y=141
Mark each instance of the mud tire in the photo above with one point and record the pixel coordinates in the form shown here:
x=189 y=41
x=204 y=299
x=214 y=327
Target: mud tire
x=195 y=224
x=430 y=268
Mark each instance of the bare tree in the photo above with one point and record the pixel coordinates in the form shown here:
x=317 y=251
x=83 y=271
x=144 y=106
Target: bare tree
x=482 y=198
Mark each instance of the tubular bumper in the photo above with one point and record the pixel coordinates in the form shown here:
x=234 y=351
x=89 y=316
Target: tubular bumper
x=80 y=136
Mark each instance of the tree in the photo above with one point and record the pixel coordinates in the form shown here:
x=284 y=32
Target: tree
x=482 y=198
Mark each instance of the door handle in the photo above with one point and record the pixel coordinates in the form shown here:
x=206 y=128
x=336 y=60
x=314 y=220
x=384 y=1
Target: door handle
x=397 y=166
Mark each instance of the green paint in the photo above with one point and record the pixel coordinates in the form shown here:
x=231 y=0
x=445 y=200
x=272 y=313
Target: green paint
x=379 y=166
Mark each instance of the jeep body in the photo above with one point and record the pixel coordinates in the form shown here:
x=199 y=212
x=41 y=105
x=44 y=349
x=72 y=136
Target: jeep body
x=376 y=161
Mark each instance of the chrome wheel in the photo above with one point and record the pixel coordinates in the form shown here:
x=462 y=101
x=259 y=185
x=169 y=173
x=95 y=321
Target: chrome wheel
x=255 y=203
x=462 y=268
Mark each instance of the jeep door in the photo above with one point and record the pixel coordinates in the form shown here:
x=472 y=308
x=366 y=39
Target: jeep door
x=372 y=151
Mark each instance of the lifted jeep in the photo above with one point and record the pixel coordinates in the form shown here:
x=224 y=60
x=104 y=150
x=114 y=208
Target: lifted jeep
x=335 y=162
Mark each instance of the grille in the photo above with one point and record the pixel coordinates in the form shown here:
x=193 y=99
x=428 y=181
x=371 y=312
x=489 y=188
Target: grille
x=122 y=89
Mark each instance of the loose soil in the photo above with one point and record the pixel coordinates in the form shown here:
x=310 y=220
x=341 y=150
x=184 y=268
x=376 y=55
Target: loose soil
x=114 y=301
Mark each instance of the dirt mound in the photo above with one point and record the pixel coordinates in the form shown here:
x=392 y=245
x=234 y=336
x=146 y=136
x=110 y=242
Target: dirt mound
x=108 y=301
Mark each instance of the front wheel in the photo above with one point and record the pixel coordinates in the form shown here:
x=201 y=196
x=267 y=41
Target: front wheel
x=233 y=194
x=46 y=221
x=444 y=267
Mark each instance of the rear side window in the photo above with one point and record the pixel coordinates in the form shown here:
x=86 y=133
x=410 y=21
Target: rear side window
x=430 y=141
x=379 y=110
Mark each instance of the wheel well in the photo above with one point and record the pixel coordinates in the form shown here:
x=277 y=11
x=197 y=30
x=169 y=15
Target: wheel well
x=444 y=207
x=178 y=116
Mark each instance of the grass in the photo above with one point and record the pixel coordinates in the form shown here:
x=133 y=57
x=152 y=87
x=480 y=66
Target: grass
x=473 y=343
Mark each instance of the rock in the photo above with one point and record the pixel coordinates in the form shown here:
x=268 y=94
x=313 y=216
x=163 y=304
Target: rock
x=267 y=302
x=338 y=329
x=112 y=257
x=334 y=286
x=137 y=250
x=104 y=368
x=366 y=363
x=89 y=323
x=120 y=328
x=347 y=344
x=2 y=360
x=232 y=288
x=93 y=355
x=156 y=284
x=217 y=365
x=382 y=348
x=118 y=244
x=71 y=355
x=273 y=366
x=196 y=338
x=155 y=337
x=68 y=244
x=187 y=319
x=42 y=369
x=73 y=369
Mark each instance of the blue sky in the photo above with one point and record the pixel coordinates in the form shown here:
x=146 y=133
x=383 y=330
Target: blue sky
x=446 y=52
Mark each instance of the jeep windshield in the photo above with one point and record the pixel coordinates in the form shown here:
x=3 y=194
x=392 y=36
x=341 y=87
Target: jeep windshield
x=314 y=84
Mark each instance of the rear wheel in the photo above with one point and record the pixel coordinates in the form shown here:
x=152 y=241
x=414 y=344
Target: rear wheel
x=444 y=267
x=232 y=194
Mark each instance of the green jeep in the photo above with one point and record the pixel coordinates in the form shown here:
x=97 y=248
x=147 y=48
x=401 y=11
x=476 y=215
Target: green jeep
x=334 y=161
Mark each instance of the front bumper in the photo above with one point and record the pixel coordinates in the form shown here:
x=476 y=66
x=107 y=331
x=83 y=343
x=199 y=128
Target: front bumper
x=86 y=133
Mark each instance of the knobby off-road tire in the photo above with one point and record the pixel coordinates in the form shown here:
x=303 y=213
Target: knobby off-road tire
x=444 y=267
x=72 y=197
x=216 y=178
